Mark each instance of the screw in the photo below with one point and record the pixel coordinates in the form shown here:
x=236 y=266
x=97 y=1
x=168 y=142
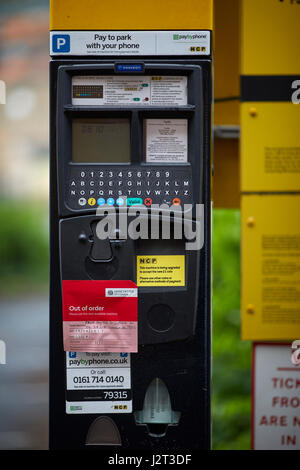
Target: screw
x=251 y=221
x=82 y=237
x=250 y=309
x=253 y=112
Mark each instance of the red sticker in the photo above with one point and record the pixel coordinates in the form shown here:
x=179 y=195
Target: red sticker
x=100 y=316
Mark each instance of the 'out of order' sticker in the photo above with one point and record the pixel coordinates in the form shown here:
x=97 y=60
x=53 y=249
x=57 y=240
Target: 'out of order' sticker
x=100 y=316
x=161 y=270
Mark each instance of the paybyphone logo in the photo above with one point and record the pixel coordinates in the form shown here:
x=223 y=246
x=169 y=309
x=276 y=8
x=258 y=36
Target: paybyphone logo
x=61 y=43
x=189 y=37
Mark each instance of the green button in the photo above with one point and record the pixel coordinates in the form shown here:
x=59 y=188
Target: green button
x=136 y=99
x=134 y=201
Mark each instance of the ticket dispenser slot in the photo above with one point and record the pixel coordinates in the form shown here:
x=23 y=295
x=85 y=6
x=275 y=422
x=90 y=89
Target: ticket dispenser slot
x=123 y=141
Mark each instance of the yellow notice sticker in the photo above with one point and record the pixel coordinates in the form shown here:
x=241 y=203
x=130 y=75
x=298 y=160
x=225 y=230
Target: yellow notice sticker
x=161 y=270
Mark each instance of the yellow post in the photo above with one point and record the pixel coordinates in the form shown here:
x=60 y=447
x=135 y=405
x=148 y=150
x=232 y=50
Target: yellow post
x=270 y=171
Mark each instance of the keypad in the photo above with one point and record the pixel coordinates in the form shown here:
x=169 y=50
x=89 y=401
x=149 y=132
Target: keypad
x=129 y=186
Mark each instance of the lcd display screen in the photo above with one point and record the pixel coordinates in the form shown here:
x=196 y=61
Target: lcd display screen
x=101 y=140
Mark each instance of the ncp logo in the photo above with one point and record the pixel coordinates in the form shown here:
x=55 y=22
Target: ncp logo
x=61 y=43
x=296 y=352
x=2 y=352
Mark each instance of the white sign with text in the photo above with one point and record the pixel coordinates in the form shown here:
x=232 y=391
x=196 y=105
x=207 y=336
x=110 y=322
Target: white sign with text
x=132 y=43
x=276 y=398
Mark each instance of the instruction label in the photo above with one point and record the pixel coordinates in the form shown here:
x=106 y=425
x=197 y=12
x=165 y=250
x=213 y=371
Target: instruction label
x=166 y=140
x=98 y=383
x=271 y=267
x=136 y=43
x=100 y=316
x=118 y=90
x=162 y=270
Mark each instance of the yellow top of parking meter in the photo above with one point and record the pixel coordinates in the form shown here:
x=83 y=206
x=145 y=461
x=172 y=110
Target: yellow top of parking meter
x=133 y=15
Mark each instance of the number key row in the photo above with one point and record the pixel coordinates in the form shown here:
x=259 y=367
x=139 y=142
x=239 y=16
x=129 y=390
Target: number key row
x=123 y=174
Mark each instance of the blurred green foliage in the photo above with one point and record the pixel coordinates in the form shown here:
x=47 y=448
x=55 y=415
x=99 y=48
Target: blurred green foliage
x=24 y=259
x=24 y=268
x=231 y=380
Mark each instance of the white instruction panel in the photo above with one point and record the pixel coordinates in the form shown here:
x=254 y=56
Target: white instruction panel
x=98 y=383
x=134 y=43
x=123 y=90
x=166 y=140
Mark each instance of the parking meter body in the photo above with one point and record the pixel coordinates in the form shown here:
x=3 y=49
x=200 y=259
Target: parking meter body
x=130 y=133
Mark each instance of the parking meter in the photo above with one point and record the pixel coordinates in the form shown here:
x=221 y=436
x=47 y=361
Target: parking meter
x=130 y=134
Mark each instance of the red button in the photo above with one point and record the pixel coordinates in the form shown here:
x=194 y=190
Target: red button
x=148 y=201
x=176 y=201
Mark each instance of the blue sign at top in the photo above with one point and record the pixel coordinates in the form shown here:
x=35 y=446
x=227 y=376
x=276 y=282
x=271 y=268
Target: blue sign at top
x=61 y=43
x=129 y=68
